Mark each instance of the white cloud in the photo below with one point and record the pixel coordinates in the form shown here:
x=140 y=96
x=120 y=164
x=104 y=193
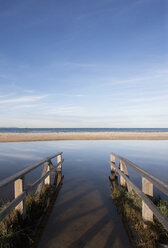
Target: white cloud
x=23 y=99
x=74 y=64
x=29 y=91
x=71 y=95
x=7 y=95
x=64 y=110
x=79 y=64
x=20 y=155
x=29 y=106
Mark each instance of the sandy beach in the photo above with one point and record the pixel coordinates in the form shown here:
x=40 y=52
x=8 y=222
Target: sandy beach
x=24 y=137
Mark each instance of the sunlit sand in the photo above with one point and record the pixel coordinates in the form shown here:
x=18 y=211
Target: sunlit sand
x=21 y=137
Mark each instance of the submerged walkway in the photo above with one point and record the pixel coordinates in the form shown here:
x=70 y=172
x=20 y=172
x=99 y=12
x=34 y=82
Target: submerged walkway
x=84 y=214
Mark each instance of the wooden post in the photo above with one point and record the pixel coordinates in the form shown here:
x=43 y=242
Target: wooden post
x=59 y=169
x=112 y=159
x=46 y=168
x=147 y=214
x=59 y=159
x=123 y=168
x=18 y=189
x=48 y=179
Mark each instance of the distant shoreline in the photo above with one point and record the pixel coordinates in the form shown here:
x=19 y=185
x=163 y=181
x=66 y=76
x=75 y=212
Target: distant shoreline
x=81 y=130
x=28 y=137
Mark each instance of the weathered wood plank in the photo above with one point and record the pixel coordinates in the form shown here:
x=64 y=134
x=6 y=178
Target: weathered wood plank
x=59 y=158
x=147 y=214
x=123 y=168
x=59 y=170
x=112 y=159
x=18 y=190
x=42 y=174
x=48 y=179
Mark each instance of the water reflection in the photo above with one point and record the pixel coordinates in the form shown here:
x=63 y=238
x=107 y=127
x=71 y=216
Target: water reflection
x=113 y=181
x=93 y=156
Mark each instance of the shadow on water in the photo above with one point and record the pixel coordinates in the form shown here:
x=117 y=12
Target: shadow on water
x=40 y=227
x=113 y=181
x=84 y=215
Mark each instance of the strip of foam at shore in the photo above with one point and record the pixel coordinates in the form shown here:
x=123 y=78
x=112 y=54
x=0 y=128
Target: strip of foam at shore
x=25 y=137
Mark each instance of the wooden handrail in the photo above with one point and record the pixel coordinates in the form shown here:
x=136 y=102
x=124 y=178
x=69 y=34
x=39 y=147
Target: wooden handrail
x=19 y=188
x=21 y=173
x=36 y=183
x=5 y=211
x=159 y=215
x=158 y=183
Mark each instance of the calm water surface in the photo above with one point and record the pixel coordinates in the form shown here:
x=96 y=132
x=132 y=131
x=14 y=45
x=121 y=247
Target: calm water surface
x=89 y=158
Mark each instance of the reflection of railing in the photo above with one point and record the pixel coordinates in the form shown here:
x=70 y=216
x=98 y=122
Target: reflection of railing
x=148 y=207
x=18 y=179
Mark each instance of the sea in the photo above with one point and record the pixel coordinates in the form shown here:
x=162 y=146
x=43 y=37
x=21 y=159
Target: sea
x=65 y=130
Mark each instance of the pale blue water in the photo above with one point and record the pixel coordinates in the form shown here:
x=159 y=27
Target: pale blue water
x=89 y=158
x=64 y=130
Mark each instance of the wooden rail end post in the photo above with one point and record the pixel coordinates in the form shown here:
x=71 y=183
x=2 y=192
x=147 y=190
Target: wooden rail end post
x=114 y=174
x=123 y=168
x=19 y=189
x=147 y=214
x=112 y=159
x=59 y=169
x=48 y=179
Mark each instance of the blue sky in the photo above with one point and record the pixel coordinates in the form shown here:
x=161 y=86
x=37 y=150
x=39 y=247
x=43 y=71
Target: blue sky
x=90 y=63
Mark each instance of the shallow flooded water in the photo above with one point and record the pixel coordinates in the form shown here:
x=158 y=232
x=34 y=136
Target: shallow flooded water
x=89 y=158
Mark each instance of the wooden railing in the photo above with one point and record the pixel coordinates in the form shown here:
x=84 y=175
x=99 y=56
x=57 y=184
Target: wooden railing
x=148 y=207
x=18 y=180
